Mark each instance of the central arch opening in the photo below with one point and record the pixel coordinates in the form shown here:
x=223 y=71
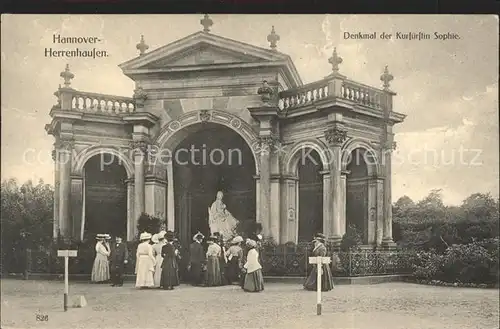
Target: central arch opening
x=105 y=196
x=212 y=158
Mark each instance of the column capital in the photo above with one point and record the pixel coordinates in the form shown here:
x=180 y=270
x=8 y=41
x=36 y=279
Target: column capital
x=336 y=136
x=264 y=145
x=64 y=145
x=389 y=146
x=345 y=172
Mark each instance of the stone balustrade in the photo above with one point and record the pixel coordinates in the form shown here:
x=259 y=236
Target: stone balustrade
x=304 y=95
x=362 y=94
x=101 y=104
x=313 y=92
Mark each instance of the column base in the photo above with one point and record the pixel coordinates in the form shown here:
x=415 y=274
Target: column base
x=334 y=242
x=389 y=245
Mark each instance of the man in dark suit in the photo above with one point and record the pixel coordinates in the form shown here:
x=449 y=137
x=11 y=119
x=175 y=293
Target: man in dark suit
x=117 y=259
x=196 y=260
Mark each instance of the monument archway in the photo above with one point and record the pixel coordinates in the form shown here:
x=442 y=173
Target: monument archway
x=211 y=157
x=104 y=196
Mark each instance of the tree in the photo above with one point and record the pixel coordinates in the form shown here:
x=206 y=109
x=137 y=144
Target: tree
x=27 y=212
x=480 y=206
x=402 y=208
x=26 y=220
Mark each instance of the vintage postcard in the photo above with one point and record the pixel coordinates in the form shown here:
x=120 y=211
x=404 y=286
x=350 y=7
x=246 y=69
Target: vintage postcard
x=250 y=171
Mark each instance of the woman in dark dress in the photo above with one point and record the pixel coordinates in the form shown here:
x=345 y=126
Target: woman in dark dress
x=213 y=275
x=170 y=274
x=326 y=273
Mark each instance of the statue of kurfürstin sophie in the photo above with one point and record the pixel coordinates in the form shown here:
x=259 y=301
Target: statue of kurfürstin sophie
x=220 y=219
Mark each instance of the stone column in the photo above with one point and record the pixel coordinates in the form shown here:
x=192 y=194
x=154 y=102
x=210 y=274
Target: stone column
x=335 y=137
x=327 y=200
x=275 y=207
x=343 y=203
x=289 y=206
x=155 y=196
x=170 y=197
x=257 y=198
x=65 y=149
x=372 y=211
x=131 y=219
x=265 y=185
x=380 y=212
x=55 y=157
x=387 y=240
x=76 y=205
x=140 y=149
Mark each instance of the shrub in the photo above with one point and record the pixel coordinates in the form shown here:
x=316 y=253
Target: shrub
x=352 y=239
x=465 y=263
x=150 y=224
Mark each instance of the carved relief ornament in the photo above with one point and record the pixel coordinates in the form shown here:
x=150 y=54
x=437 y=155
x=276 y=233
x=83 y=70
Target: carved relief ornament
x=205 y=116
x=336 y=136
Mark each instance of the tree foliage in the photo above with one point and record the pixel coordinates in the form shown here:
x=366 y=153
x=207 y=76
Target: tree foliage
x=149 y=224
x=27 y=213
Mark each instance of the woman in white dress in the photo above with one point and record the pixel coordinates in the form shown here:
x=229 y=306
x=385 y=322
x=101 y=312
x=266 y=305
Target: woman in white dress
x=159 y=240
x=145 y=263
x=100 y=269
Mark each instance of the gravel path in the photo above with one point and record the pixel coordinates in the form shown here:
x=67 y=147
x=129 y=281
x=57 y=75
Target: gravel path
x=381 y=306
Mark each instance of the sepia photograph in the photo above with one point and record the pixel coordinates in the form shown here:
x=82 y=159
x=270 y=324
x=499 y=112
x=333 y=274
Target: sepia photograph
x=249 y=171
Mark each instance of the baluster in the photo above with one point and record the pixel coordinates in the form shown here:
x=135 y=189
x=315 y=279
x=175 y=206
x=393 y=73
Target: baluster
x=73 y=102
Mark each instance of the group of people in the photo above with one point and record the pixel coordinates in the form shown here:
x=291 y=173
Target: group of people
x=158 y=257
x=110 y=260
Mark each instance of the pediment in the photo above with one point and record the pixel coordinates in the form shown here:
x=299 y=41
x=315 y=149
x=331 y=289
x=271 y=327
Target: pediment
x=203 y=54
x=202 y=50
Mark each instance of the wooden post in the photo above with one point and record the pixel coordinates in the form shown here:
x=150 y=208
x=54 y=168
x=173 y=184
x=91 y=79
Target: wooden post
x=66 y=254
x=319 y=261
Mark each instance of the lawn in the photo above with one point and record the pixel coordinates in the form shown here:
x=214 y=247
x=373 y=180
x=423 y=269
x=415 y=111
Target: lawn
x=281 y=305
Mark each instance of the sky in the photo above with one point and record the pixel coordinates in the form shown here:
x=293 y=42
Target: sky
x=447 y=88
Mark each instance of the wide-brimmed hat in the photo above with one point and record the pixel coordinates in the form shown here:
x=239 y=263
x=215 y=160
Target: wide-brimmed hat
x=319 y=237
x=198 y=236
x=155 y=238
x=251 y=243
x=213 y=238
x=100 y=236
x=237 y=239
x=169 y=235
x=145 y=236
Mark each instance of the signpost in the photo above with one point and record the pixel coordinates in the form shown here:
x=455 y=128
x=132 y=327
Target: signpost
x=319 y=261
x=66 y=254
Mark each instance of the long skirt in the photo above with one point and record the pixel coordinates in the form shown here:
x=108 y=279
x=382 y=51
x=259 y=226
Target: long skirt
x=170 y=275
x=254 y=282
x=213 y=275
x=326 y=279
x=196 y=274
x=100 y=269
x=233 y=270
x=145 y=270
x=158 y=270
